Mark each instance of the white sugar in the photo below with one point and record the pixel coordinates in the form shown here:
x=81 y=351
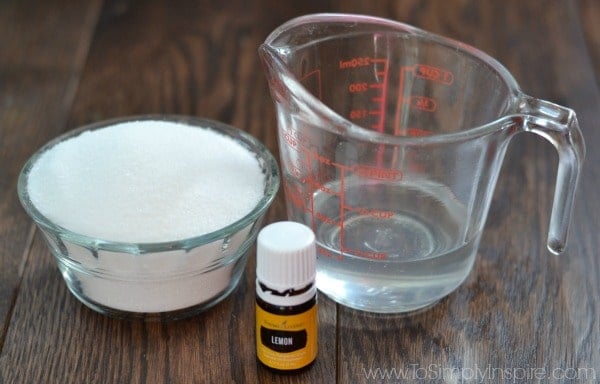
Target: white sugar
x=146 y=181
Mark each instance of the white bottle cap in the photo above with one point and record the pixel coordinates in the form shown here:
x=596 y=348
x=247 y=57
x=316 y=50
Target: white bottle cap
x=285 y=259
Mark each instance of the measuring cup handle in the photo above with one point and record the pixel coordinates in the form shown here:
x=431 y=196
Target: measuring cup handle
x=558 y=125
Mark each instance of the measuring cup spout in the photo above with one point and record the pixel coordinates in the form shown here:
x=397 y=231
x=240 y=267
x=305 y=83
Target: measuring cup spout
x=279 y=76
x=274 y=70
x=558 y=125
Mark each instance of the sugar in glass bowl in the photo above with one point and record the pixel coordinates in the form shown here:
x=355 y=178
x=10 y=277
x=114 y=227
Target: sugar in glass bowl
x=150 y=217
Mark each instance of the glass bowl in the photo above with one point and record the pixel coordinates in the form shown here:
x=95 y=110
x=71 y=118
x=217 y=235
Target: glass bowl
x=156 y=281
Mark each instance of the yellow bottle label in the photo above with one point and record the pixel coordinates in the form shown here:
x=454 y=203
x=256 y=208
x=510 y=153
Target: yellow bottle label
x=286 y=342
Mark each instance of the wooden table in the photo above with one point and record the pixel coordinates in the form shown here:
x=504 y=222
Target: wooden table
x=522 y=315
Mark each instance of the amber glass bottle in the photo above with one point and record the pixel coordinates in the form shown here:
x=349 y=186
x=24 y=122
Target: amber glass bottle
x=286 y=297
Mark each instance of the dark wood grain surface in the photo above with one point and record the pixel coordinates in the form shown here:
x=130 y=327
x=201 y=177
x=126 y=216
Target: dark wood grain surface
x=522 y=310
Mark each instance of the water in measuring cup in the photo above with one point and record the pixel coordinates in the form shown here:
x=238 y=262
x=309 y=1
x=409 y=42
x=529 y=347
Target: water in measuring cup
x=406 y=248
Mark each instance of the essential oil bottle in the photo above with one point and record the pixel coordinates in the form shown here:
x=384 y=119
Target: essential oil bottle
x=286 y=296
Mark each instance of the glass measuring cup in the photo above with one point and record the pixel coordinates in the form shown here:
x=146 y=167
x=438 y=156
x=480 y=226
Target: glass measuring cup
x=391 y=141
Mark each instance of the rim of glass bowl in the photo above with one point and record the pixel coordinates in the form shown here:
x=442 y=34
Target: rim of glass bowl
x=266 y=159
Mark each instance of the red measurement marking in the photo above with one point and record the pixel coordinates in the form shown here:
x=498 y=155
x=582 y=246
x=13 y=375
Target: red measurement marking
x=326 y=189
x=295 y=170
x=382 y=98
x=342 y=203
x=366 y=254
x=376 y=173
x=358 y=87
x=357 y=114
x=417 y=132
x=322 y=159
x=325 y=219
x=423 y=103
x=380 y=67
x=314 y=87
x=354 y=62
x=375 y=213
x=432 y=73
x=414 y=132
x=295 y=139
x=290 y=140
x=327 y=253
